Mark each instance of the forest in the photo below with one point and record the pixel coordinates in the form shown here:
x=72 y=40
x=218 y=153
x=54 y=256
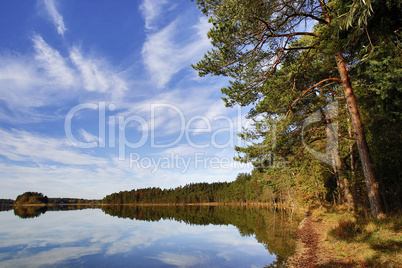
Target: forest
x=323 y=80
x=36 y=198
x=246 y=189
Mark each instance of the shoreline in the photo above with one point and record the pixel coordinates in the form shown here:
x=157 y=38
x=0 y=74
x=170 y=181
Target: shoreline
x=51 y=205
x=324 y=240
x=246 y=204
x=204 y=204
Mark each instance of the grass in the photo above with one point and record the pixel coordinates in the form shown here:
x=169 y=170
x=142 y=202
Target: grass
x=363 y=242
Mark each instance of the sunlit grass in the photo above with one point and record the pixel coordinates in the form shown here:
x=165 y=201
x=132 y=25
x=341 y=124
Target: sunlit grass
x=363 y=242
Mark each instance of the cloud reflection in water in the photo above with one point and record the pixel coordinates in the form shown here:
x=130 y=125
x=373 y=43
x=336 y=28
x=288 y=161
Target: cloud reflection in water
x=91 y=238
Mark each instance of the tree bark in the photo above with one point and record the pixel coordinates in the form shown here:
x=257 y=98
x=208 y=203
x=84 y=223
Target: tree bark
x=367 y=164
x=352 y=158
x=332 y=147
x=316 y=184
x=342 y=182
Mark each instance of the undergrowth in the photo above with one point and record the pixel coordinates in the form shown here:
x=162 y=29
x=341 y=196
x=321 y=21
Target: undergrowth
x=371 y=242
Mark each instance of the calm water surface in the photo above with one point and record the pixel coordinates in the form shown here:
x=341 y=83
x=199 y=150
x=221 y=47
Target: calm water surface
x=146 y=237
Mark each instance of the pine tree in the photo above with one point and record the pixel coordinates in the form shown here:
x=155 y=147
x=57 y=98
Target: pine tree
x=288 y=71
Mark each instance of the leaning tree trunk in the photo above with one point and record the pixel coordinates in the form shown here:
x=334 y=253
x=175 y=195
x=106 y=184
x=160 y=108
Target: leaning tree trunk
x=367 y=164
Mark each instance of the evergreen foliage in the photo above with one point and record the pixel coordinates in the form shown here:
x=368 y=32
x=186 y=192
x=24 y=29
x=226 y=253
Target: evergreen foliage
x=288 y=72
x=247 y=188
x=244 y=189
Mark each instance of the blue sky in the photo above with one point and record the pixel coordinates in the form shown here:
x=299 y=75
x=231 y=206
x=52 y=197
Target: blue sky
x=99 y=96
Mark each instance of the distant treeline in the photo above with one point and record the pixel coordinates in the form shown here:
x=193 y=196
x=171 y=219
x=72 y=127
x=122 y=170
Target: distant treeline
x=36 y=198
x=59 y=200
x=6 y=204
x=246 y=188
x=190 y=193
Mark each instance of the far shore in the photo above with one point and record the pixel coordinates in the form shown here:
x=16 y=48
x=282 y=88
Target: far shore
x=52 y=205
x=212 y=204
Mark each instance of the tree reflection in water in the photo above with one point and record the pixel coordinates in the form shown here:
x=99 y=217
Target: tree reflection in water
x=272 y=227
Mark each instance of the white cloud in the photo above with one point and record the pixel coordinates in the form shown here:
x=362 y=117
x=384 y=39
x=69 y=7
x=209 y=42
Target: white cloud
x=55 y=16
x=73 y=236
x=47 y=79
x=181 y=259
x=173 y=47
x=53 y=63
x=197 y=109
x=26 y=86
x=166 y=51
x=50 y=257
x=88 y=137
x=97 y=75
x=151 y=9
x=61 y=181
x=43 y=85
x=24 y=146
x=18 y=81
x=181 y=150
x=92 y=74
x=160 y=55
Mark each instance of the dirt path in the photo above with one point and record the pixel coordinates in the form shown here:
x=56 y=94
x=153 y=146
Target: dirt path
x=310 y=249
x=306 y=248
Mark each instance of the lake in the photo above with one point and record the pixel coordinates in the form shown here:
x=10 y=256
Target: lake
x=135 y=236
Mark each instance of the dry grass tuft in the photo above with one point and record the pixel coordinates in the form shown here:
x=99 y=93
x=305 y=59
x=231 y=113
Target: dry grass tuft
x=346 y=229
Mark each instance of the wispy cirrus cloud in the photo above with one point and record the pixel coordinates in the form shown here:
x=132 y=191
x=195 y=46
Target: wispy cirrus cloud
x=89 y=72
x=46 y=78
x=19 y=145
x=55 y=66
x=88 y=137
x=97 y=75
x=55 y=16
x=164 y=53
x=151 y=9
x=169 y=112
x=18 y=80
x=160 y=55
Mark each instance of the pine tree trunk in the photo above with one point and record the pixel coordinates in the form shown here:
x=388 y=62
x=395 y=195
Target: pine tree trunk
x=367 y=164
x=335 y=161
x=344 y=193
x=348 y=194
x=316 y=184
x=332 y=147
x=352 y=158
x=342 y=182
